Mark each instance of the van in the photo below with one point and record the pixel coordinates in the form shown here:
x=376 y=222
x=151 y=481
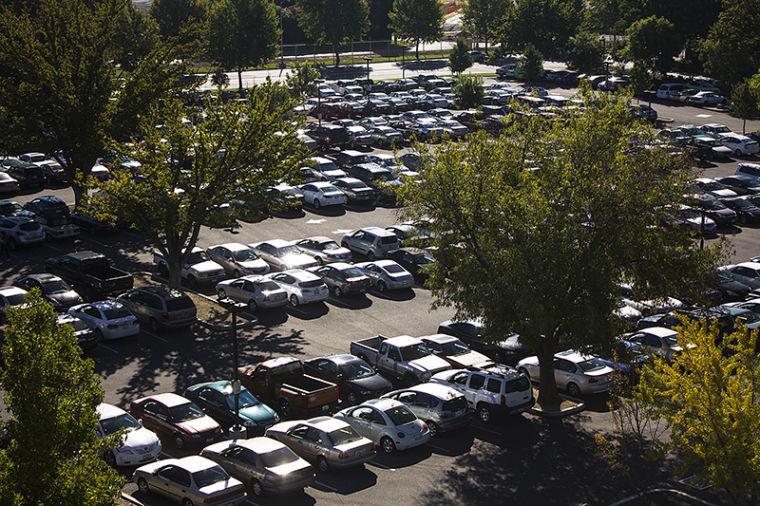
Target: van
x=671 y=91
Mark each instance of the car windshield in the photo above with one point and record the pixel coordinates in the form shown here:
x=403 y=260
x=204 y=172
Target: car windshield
x=712 y=186
x=267 y=286
x=185 y=412
x=400 y=415
x=246 y=400
x=713 y=205
x=287 y=250
x=77 y=324
x=743 y=204
x=329 y=246
x=15 y=299
x=244 y=255
x=455 y=347
x=279 y=457
x=210 y=476
x=314 y=283
x=353 y=272
x=55 y=287
x=393 y=268
x=123 y=421
x=382 y=176
x=391 y=239
x=414 y=351
x=116 y=312
x=424 y=258
x=197 y=257
x=591 y=365
x=29 y=226
x=356 y=160
x=356 y=369
x=343 y=436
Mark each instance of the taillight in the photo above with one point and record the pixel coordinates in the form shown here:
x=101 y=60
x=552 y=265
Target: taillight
x=343 y=455
x=400 y=435
x=424 y=426
x=592 y=380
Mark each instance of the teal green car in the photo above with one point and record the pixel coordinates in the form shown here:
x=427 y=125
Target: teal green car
x=217 y=401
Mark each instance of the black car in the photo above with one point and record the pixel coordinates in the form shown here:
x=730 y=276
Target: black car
x=50 y=209
x=12 y=208
x=414 y=260
x=54 y=173
x=342 y=278
x=92 y=224
x=667 y=320
x=329 y=136
x=727 y=289
x=357 y=380
x=506 y=351
x=746 y=211
x=27 y=174
x=53 y=289
x=357 y=192
x=740 y=184
x=714 y=209
x=87 y=338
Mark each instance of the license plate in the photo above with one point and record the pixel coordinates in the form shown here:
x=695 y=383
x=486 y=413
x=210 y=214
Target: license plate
x=459 y=413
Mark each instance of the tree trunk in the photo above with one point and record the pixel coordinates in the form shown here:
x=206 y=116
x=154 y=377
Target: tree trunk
x=548 y=396
x=744 y=126
x=78 y=191
x=337 y=56
x=486 y=44
x=174 y=263
x=240 y=80
x=417 y=50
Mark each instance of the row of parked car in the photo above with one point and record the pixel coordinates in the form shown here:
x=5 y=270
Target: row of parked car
x=711 y=142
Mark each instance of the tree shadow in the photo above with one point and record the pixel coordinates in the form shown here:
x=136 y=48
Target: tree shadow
x=350 y=301
x=344 y=72
x=395 y=295
x=423 y=64
x=325 y=211
x=452 y=443
x=346 y=481
x=404 y=458
x=309 y=311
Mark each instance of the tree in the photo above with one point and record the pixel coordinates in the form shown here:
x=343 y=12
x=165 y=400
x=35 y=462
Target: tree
x=468 y=92
x=459 y=57
x=531 y=67
x=731 y=51
x=136 y=37
x=334 y=22
x=547 y=24
x=540 y=252
x=653 y=42
x=51 y=389
x=417 y=20
x=586 y=52
x=743 y=104
x=641 y=80
x=302 y=80
x=58 y=88
x=709 y=396
x=379 y=19
x=220 y=79
x=177 y=18
x=233 y=154
x=482 y=18
x=243 y=33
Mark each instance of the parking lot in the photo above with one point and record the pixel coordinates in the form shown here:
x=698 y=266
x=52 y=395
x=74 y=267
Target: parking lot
x=524 y=460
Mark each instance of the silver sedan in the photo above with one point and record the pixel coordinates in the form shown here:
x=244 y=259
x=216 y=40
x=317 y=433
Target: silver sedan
x=256 y=291
x=329 y=442
x=387 y=275
x=386 y=422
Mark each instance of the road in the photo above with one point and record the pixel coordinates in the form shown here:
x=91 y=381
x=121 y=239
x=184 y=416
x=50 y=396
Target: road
x=520 y=461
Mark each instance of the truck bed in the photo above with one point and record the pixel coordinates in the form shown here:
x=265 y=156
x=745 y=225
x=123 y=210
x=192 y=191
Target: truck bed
x=373 y=343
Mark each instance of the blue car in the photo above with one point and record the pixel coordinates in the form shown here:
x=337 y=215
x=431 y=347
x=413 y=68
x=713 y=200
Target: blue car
x=217 y=401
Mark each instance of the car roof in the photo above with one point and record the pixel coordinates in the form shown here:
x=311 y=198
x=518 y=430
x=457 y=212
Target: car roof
x=340 y=358
x=751 y=265
x=195 y=463
x=658 y=331
x=341 y=266
x=168 y=399
x=381 y=232
x=301 y=275
x=162 y=291
x=277 y=243
x=108 y=411
x=42 y=277
x=18 y=220
x=352 y=152
x=106 y=304
x=382 y=404
x=326 y=423
x=439 y=338
x=436 y=390
x=321 y=239
x=573 y=356
x=12 y=290
x=402 y=341
x=321 y=184
x=277 y=362
x=232 y=246
x=385 y=262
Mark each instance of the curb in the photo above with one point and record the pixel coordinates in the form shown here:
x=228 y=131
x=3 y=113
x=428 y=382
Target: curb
x=558 y=414
x=131 y=499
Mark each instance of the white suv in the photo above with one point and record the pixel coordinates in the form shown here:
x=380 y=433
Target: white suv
x=372 y=242
x=741 y=145
x=491 y=391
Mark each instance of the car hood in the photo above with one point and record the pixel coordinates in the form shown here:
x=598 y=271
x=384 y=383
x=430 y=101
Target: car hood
x=298 y=261
x=430 y=363
x=207 y=266
x=253 y=264
x=724 y=193
x=471 y=359
x=65 y=298
x=139 y=438
x=196 y=425
x=289 y=468
x=374 y=383
x=338 y=253
x=258 y=413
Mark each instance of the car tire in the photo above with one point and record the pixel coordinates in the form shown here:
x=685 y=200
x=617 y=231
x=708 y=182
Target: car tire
x=192 y=282
x=338 y=291
x=187 y=502
x=221 y=294
x=284 y=407
x=370 y=255
x=320 y=261
x=294 y=300
x=483 y=412
x=524 y=371
x=322 y=464
x=381 y=287
x=387 y=445
x=179 y=443
x=154 y=326
x=252 y=306
x=738 y=153
x=432 y=428
x=142 y=486
x=573 y=390
x=256 y=488
x=238 y=273
x=110 y=458
x=317 y=205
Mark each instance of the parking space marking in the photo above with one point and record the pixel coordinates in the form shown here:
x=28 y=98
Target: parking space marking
x=704 y=116
x=108 y=348
x=381 y=466
x=341 y=231
x=315 y=222
x=151 y=334
x=323 y=485
x=439 y=448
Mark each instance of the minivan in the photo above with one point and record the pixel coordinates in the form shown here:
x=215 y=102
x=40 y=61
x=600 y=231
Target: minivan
x=671 y=91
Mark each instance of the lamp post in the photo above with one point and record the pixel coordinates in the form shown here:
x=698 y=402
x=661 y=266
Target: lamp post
x=367 y=59
x=403 y=61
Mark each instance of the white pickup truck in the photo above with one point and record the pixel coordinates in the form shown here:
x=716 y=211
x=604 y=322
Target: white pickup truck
x=403 y=358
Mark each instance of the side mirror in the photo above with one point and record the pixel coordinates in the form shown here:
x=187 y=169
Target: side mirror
x=140 y=422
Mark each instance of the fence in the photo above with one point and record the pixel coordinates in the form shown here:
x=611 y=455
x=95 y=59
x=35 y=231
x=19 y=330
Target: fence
x=354 y=52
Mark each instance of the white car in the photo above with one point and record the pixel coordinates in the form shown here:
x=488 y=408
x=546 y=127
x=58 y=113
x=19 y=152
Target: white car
x=108 y=318
x=322 y=193
x=197 y=269
x=706 y=98
x=302 y=286
x=282 y=255
x=8 y=184
x=387 y=275
x=12 y=296
x=324 y=249
x=660 y=341
x=328 y=168
x=741 y=145
x=577 y=373
x=237 y=259
x=256 y=291
x=33 y=157
x=138 y=444
x=21 y=230
x=747 y=273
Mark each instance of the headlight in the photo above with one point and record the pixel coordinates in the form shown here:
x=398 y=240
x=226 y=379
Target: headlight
x=276 y=418
x=425 y=376
x=249 y=423
x=364 y=393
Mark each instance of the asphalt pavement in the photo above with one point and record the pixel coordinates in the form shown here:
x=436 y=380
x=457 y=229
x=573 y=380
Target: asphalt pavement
x=524 y=460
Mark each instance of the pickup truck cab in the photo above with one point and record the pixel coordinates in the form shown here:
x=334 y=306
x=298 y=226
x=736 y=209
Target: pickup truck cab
x=198 y=268
x=498 y=390
x=403 y=358
x=282 y=383
x=89 y=273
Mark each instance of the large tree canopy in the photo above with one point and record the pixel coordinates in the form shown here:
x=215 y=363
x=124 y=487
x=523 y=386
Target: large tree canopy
x=334 y=22
x=547 y=24
x=482 y=18
x=731 y=52
x=534 y=236
x=417 y=20
x=653 y=42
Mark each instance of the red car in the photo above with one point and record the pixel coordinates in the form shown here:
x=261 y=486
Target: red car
x=177 y=417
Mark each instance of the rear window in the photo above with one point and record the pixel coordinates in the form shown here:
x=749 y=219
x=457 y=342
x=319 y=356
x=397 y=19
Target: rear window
x=266 y=285
x=456 y=404
x=389 y=240
x=29 y=226
x=400 y=415
x=179 y=303
x=517 y=385
x=310 y=284
x=114 y=313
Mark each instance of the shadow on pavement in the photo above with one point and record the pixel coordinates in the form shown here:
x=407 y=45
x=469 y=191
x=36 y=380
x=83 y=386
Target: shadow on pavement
x=346 y=482
x=395 y=295
x=350 y=301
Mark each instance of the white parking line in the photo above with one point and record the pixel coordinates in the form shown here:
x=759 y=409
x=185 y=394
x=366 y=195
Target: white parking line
x=108 y=348
x=381 y=466
x=341 y=231
x=440 y=449
x=48 y=246
x=704 y=116
x=151 y=334
x=323 y=485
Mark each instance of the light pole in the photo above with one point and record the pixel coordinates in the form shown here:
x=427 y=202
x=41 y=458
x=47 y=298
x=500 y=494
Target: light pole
x=367 y=59
x=403 y=61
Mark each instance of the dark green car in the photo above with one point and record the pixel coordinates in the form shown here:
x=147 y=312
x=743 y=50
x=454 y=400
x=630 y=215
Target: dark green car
x=217 y=401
